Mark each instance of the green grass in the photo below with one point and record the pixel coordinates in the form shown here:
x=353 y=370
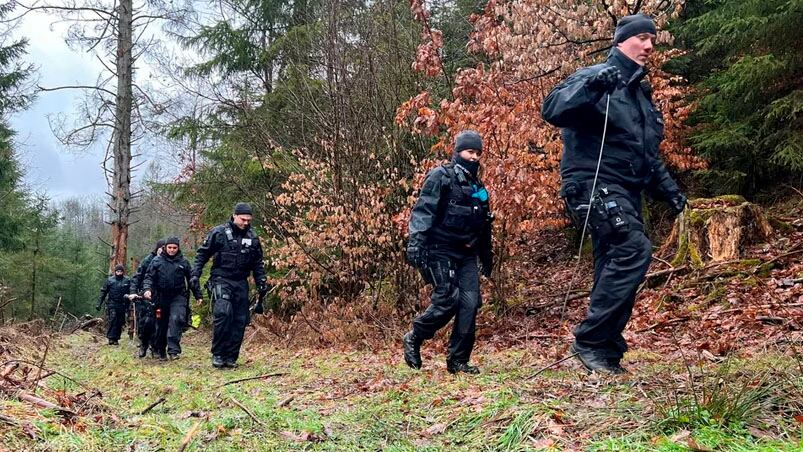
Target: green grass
x=371 y=401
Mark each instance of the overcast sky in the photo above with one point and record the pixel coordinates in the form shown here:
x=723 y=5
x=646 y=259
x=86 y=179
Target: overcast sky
x=49 y=167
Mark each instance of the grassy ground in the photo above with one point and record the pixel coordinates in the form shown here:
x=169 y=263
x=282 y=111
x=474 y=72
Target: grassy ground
x=331 y=400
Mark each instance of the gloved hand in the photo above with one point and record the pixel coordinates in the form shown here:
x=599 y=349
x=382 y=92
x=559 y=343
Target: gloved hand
x=677 y=203
x=259 y=309
x=607 y=79
x=97 y=307
x=195 y=282
x=416 y=256
x=263 y=289
x=486 y=264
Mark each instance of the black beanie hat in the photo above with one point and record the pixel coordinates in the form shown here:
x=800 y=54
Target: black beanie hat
x=172 y=241
x=119 y=267
x=159 y=243
x=242 y=208
x=467 y=139
x=632 y=25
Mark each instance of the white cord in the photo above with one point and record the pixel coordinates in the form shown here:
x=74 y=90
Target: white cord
x=588 y=213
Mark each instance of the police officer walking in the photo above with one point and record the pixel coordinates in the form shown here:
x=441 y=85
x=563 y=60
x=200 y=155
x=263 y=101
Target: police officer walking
x=168 y=280
x=144 y=309
x=614 y=92
x=450 y=244
x=235 y=252
x=116 y=288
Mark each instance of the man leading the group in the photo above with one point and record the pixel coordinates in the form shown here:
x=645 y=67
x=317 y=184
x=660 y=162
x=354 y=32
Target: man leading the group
x=450 y=234
x=235 y=252
x=629 y=165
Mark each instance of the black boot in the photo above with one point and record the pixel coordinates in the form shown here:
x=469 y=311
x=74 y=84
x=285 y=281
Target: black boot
x=593 y=361
x=143 y=350
x=230 y=363
x=217 y=362
x=455 y=367
x=412 y=350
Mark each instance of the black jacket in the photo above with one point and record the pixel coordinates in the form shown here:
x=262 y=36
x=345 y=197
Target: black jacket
x=169 y=275
x=115 y=287
x=448 y=213
x=635 y=130
x=234 y=252
x=139 y=276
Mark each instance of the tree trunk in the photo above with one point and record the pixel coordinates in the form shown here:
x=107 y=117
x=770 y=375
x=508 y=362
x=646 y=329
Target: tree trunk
x=121 y=138
x=716 y=229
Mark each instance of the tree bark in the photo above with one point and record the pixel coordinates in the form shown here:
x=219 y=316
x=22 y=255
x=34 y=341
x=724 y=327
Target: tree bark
x=121 y=138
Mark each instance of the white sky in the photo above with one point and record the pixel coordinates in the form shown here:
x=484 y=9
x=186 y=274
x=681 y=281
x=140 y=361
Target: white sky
x=48 y=166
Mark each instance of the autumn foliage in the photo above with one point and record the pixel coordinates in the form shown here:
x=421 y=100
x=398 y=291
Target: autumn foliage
x=531 y=46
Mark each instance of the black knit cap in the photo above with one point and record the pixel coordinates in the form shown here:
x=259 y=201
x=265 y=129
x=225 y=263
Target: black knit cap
x=242 y=208
x=119 y=267
x=172 y=241
x=633 y=25
x=467 y=139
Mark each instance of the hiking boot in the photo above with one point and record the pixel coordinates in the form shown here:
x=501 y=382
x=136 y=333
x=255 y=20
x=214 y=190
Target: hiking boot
x=230 y=363
x=593 y=361
x=217 y=362
x=412 y=350
x=616 y=368
x=113 y=342
x=143 y=351
x=173 y=356
x=456 y=367
x=162 y=356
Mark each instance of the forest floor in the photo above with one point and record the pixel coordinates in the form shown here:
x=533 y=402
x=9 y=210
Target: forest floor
x=715 y=364
x=369 y=400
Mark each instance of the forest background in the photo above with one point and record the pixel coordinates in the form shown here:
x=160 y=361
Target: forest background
x=326 y=114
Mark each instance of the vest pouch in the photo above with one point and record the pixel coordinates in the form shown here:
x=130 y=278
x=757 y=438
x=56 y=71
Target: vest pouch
x=457 y=217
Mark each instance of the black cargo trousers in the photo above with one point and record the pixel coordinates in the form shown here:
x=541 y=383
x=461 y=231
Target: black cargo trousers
x=230 y=316
x=622 y=254
x=171 y=309
x=454 y=276
x=115 y=315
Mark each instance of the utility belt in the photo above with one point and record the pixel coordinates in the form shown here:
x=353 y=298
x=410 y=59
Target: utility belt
x=609 y=211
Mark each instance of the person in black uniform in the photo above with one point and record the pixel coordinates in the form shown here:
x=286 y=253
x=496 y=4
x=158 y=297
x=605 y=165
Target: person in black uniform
x=168 y=278
x=630 y=164
x=144 y=309
x=450 y=244
x=235 y=252
x=116 y=288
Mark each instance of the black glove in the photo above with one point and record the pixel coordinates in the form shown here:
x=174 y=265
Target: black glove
x=607 y=79
x=195 y=283
x=259 y=309
x=677 y=203
x=486 y=264
x=416 y=256
x=97 y=307
x=263 y=289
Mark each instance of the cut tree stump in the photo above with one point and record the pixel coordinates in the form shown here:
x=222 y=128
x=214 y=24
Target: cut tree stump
x=716 y=229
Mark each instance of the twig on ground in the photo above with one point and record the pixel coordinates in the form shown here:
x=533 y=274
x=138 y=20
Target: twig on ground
x=286 y=401
x=152 y=406
x=664 y=323
x=86 y=324
x=258 y=377
x=188 y=437
x=553 y=364
x=247 y=411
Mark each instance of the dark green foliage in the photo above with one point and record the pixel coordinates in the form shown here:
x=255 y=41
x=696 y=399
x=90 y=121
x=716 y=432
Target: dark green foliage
x=746 y=59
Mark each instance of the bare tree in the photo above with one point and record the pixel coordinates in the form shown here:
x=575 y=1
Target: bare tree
x=118 y=33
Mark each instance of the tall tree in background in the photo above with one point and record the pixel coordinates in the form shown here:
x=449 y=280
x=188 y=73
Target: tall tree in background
x=116 y=104
x=746 y=60
x=12 y=97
